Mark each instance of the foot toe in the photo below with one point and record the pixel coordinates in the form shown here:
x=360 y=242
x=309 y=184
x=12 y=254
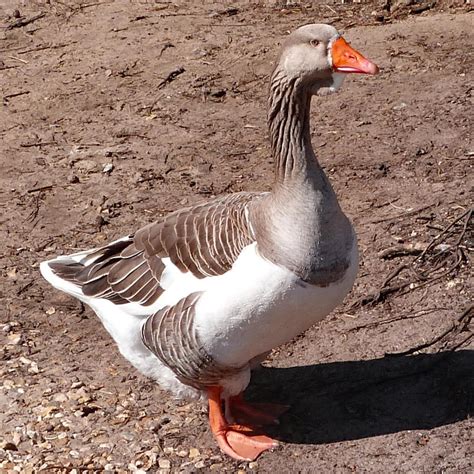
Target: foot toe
x=249 y=446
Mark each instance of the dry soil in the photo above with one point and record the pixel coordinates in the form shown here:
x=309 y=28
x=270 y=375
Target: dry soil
x=115 y=113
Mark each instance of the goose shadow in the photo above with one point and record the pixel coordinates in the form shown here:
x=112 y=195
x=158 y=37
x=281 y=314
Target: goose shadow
x=351 y=400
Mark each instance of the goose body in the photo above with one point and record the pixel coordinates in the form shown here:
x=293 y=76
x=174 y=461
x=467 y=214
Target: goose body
x=196 y=299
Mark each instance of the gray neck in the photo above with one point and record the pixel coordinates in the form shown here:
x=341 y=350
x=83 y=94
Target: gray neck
x=300 y=225
x=288 y=122
x=289 y=106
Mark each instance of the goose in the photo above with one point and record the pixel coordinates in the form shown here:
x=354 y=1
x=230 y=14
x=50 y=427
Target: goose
x=199 y=298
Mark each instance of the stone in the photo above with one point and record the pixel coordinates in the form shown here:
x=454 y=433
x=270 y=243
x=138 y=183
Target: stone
x=194 y=453
x=164 y=463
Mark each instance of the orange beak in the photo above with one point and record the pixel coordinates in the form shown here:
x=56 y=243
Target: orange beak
x=348 y=60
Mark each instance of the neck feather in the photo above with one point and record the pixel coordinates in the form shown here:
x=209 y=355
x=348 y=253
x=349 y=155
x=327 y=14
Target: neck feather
x=289 y=125
x=302 y=203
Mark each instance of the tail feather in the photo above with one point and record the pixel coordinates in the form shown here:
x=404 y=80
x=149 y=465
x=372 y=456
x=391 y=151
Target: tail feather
x=60 y=273
x=69 y=273
x=67 y=269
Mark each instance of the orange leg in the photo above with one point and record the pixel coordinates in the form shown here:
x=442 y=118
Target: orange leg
x=256 y=414
x=238 y=441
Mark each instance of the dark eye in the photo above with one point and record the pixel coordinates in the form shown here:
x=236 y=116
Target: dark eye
x=314 y=43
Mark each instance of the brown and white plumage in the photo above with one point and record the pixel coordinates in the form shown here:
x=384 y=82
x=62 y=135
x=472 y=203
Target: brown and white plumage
x=194 y=299
x=204 y=240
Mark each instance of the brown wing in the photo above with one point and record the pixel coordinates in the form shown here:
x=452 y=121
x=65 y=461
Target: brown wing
x=171 y=335
x=205 y=240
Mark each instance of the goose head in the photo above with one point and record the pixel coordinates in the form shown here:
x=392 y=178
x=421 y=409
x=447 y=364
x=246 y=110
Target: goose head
x=319 y=57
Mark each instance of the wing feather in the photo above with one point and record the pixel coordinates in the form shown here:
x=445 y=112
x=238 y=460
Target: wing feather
x=205 y=240
x=172 y=336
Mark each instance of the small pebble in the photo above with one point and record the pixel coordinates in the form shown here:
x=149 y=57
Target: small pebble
x=128 y=436
x=194 y=453
x=108 y=168
x=164 y=464
x=7 y=327
x=14 y=339
x=401 y=106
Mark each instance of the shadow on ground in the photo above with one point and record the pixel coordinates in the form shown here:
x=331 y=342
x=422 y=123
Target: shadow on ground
x=359 y=399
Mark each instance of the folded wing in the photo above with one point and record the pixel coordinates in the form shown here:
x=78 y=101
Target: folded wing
x=204 y=240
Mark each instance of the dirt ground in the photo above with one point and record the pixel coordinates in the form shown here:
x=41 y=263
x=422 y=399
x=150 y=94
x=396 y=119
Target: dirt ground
x=115 y=113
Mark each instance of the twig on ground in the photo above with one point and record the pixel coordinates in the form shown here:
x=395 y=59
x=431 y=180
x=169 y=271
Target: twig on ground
x=130 y=134
x=332 y=9
x=40 y=247
x=378 y=297
x=178 y=14
x=164 y=48
x=465 y=227
x=23 y=288
x=461 y=323
x=28 y=145
x=401 y=251
x=17 y=94
x=394 y=273
x=24 y=21
x=373 y=324
x=171 y=77
x=230 y=25
x=447 y=229
x=10 y=128
x=378 y=206
x=240 y=153
x=398 y=216
x=41 y=48
x=24 y=61
x=422 y=8
x=446 y=259
x=8 y=50
x=40 y=188
x=462 y=342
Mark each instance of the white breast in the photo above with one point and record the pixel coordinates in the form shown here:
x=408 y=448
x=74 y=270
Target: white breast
x=257 y=306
